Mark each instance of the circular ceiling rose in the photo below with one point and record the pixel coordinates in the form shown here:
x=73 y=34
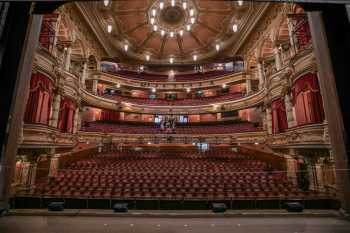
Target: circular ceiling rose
x=173 y=15
x=171 y=32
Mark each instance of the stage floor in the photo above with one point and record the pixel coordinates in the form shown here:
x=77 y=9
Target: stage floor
x=220 y=224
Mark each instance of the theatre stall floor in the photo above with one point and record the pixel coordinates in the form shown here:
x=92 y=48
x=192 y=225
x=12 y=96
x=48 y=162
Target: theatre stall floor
x=221 y=224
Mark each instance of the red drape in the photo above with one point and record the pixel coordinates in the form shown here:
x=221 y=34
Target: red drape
x=66 y=115
x=279 y=117
x=307 y=100
x=109 y=115
x=40 y=98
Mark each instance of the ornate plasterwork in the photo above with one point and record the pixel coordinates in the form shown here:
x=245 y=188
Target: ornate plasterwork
x=98 y=17
x=83 y=32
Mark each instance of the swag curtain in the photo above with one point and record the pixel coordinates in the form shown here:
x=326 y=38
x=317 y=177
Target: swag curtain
x=109 y=115
x=279 y=117
x=66 y=115
x=40 y=99
x=307 y=100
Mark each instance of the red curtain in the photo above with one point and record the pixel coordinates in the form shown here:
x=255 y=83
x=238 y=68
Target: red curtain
x=66 y=115
x=279 y=117
x=109 y=115
x=307 y=100
x=40 y=98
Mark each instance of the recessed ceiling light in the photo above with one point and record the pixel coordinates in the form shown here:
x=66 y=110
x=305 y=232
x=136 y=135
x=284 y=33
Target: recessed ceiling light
x=191 y=12
x=126 y=47
x=184 y=5
x=109 y=28
x=193 y=20
x=240 y=3
x=161 y=5
x=106 y=2
x=152 y=20
x=234 y=27
x=155 y=28
x=217 y=47
x=171 y=60
x=195 y=57
x=188 y=27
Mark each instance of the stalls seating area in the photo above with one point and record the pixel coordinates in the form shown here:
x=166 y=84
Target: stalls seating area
x=187 y=175
x=190 y=101
x=128 y=128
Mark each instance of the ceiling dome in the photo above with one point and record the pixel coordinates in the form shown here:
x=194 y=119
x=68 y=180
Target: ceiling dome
x=171 y=31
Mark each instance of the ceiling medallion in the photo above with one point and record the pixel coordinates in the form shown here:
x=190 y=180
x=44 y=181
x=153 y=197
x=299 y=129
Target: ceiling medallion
x=172 y=17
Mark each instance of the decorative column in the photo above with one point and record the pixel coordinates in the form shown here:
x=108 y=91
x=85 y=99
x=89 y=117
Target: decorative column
x=278 y=61
x=289 y=110
x=291 y=163
x=75 y=120
x=291 y=37
x=94 y=86
x=260 y=74
x=84 y=75
x=55 y=110
x=68 y=58
x=54 y=165
x=269 y=120
x=248 y=83
x=319 y=174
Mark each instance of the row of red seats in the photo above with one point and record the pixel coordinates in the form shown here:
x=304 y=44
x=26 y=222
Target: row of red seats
x=179 y=78
x=190 y=101
x=123 y=127
x=136 y=175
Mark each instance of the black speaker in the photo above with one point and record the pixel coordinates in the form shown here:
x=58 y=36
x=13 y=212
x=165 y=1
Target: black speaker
x=3 y=212
x=56 y=206
x=219 y=207
x=120 y=207
x=294 y=207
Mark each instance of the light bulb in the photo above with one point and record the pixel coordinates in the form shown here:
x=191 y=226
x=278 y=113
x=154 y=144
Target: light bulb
x=109 y=28
x=162 y=32
x=155 y=28
x=161 y=5
x=173 y=3
x=171 y=34
x=194 y=57
x=153 y=90
x=191 y=12
x=154 y=12
x=240 y=3
x=234 y=27
x=188 y=90
x=217 y=47
x=224 y=85
x=193 y=20
x=148 y=57
x=181 y=32
x=152 y=20
x=184 y=5
x=126 y=47
x=171 y=60
x=106 y=2
x=188 y=27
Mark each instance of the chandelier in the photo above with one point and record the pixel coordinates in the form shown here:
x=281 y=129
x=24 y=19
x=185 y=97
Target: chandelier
x=172 y=17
